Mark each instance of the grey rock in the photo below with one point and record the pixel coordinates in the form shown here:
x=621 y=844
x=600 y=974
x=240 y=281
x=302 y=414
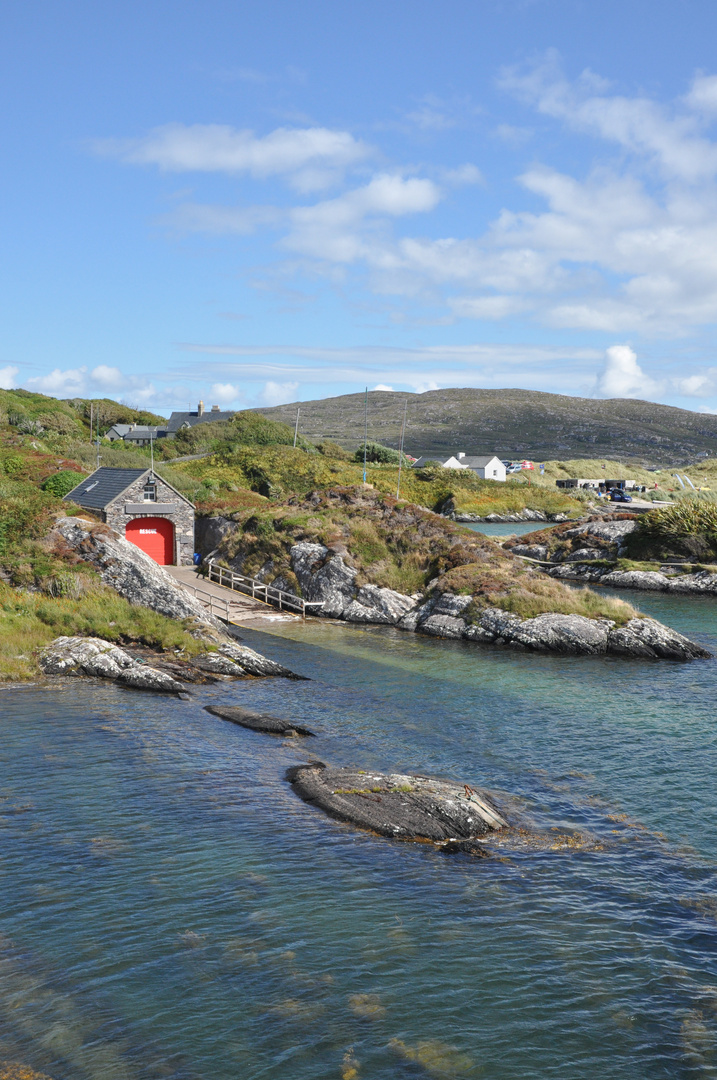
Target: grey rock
x=530 y=551
x=257 y=721
x=399 y=806
x=443 y=626
x=102 y=659
x=253 y=663
x=613 y=531
x=132 y=573
x=585 y=555
x=636 y=579
x=377 y=605
x=326 y=579
x=216 y=664
x=209 y=532
x=647 y=637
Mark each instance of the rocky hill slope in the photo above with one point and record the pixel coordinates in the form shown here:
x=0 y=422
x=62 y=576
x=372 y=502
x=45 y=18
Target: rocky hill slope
x=513 y=424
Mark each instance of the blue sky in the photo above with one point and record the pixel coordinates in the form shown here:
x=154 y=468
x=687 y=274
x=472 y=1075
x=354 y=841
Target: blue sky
x=260 y=203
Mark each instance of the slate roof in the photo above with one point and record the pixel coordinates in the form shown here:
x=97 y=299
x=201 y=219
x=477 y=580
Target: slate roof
x=120 y=430
x=478 y=462
x=105 y=484
x=178 y=419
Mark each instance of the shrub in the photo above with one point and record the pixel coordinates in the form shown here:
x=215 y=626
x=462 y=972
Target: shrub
x=62 y=483
x=378 y=454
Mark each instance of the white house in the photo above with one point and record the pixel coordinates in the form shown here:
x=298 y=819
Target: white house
x=446 y=463
x=488 y=467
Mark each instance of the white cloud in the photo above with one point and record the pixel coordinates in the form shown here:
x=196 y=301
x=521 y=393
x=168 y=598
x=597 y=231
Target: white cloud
x=70 y=383
x=464 y=174
x=703 y=94
x=622 y=376
x=701 y=385
x=108 y=378
x=8 y=376
x=275 y=393
x=313 y=156
x=225 y=393
x=382 y=386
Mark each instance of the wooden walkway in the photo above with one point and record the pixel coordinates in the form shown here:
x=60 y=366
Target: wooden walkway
x=233 y=607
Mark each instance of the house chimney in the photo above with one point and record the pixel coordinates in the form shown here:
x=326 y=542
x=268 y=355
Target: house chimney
x=200 y=409
x=215 y=408
x=460 y=456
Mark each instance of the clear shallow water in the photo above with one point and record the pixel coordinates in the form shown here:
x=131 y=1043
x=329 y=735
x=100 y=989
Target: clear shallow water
x=506 y=528
x=171 y=909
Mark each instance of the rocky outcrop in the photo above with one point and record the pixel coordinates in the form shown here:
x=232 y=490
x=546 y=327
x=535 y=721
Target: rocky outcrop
x=93 y=656
x=444 y=616
x=257 y=721
x=324 y=576
x=132 y=573
x=104 y=660
x=498 y=519
x=667 y=579
x=450 y=814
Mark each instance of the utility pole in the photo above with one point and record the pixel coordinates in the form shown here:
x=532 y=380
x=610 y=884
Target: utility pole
x=92 y=423
x=296 y=429
x=400 y=452
x=365 y=434
x=98 y=436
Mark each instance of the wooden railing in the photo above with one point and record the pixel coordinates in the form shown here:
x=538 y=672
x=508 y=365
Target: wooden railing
x=268 y=594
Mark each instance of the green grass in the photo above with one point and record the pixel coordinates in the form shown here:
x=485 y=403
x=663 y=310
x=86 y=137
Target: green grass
x=29 y=621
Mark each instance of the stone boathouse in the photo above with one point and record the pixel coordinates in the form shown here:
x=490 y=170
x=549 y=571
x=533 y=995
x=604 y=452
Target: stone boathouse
x=141 y=506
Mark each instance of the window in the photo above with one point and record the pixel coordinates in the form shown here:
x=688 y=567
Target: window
x=150 y=491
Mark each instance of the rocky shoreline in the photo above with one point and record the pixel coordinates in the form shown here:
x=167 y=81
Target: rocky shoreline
x=589 y=552
x=323 y=575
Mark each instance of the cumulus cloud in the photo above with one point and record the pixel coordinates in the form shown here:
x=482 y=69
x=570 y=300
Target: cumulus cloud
x=622 y=376
x=703 y=94
x=313 y=156
x=8 y=375
x=382 y=386
x=225 y=393
x=275 y=393
x=69 y=383
x=108 y=378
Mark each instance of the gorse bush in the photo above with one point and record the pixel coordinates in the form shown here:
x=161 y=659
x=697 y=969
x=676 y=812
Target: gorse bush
x=62 y=483
x=378 y=454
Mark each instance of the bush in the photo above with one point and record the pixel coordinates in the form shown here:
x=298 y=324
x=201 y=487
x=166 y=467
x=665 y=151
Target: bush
x=62 y=483
x=378 y=454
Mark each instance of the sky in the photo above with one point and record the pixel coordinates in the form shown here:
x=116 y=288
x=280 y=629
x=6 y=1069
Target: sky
x=253 y=204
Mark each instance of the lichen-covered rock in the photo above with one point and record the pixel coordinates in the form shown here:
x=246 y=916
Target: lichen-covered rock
x=400 y=806
x=102 y=659
x=132 y=573
x=253 y=663
x=531 y=551
x=585 y=555
x=323 y=577
x=376 y=605
x=649 y=638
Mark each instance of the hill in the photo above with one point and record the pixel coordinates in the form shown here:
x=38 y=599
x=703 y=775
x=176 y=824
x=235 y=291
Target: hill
x=513 y=424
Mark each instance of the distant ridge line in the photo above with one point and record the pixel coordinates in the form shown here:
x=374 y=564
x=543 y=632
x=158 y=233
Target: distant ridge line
x=512 y=423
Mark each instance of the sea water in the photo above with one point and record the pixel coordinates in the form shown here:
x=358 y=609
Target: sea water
x=171 y=909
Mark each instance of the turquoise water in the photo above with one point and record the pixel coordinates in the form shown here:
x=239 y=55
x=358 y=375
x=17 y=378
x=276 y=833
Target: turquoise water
x=170 y=909
x=506 y=528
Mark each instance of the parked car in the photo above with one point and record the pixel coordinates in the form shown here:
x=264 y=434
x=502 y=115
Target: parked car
x=616 y=495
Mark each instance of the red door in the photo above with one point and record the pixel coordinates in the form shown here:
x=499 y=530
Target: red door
x=155 y=536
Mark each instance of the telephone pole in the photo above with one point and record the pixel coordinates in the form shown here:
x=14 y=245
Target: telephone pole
x=296 y=429
x=365 y=434
x=400 y=452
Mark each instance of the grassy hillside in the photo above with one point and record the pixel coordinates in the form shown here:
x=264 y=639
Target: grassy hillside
x=399 y=546
x=511 y=423
x=279 y=471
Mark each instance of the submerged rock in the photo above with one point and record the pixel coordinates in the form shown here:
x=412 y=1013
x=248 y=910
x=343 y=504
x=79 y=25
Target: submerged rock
x=257 y=721
x=93 y=656
x=253 y=663
x=402 y=807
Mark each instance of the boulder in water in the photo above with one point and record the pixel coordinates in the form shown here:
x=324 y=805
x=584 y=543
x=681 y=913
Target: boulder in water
x=451 y=814
x=257 y=721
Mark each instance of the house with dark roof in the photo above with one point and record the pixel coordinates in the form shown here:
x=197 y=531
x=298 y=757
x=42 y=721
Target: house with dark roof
x=487 y=466
x=180 y=420
x=144 y=509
